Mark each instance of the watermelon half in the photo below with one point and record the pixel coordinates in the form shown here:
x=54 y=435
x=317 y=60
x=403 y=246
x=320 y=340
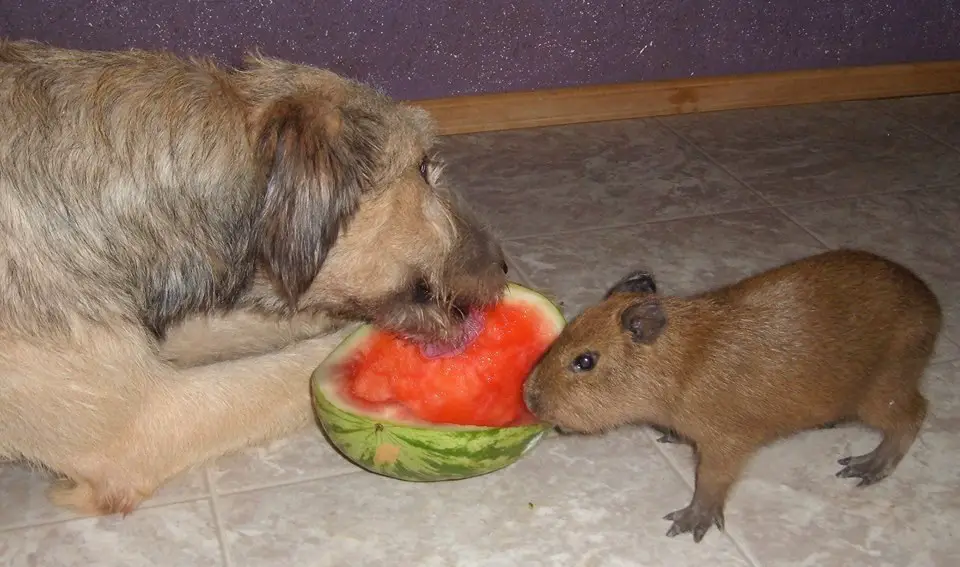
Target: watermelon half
x=391 y=410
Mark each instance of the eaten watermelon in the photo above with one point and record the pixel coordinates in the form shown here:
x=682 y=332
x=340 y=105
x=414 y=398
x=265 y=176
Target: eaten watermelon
x=393 y=410
x=480 y=386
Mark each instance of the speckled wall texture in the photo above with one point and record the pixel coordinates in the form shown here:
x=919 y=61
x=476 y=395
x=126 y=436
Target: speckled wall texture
x=430 y=48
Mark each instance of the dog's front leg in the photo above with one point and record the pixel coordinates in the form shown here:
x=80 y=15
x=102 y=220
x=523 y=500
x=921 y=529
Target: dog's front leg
x=192 y=416
x=204 y=339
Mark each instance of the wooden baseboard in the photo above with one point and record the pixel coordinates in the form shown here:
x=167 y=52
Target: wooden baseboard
x=484 y=113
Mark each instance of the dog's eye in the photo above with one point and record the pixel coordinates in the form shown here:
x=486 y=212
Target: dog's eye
x=584 y=362
x=425 y=169
x=422 y=292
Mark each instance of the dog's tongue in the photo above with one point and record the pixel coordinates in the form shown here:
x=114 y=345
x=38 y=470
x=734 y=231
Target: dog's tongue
x=472 y=326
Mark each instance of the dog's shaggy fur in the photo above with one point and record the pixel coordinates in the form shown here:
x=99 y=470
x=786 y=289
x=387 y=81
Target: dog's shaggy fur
x=175 y=238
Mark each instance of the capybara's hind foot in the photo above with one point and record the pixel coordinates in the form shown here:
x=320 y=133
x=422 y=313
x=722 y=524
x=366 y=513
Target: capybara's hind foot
x=695 y=519
x=83 y=498
x=671 y=438
x=668 y=436
x=870 y=468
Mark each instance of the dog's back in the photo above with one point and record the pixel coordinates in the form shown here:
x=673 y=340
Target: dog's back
x=109 y=161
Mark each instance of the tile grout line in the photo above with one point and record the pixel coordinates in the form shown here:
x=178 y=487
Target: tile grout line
x=827 y=199
x=52 y=522
x=945 y=361
x=217 y=519
x=615 y=226
x=284 y=484
x=522 y=276
x=804 y=228
x=714 y=161
x=741 y=547
x=778 y=207
x=710 y=158
x=913 y=126
x=781 y=208
x=951 y=340
x=210 y=495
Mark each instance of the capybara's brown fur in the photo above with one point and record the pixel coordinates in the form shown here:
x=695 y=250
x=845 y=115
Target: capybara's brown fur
x=839 y=336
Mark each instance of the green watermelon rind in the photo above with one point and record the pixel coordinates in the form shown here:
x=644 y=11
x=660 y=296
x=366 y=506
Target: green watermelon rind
x=414 y=450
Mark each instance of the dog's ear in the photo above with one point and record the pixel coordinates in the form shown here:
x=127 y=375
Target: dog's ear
x=634 y=282
x=320 y=158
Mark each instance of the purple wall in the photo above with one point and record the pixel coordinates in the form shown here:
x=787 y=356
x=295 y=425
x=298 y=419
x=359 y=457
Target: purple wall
x=428 y=48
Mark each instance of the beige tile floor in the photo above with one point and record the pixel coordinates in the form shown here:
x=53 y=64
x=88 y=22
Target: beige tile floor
x=700 y=200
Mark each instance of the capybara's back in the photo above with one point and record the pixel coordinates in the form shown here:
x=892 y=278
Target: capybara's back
x=841 y=335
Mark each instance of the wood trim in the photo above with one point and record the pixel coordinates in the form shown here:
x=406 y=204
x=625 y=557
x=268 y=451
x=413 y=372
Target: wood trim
x=505 y=111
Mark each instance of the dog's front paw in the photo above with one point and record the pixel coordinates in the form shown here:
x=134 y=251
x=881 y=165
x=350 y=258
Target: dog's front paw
x=85 y=499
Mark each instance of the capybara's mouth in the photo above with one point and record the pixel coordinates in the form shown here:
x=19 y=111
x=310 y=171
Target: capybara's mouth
x=470 y=329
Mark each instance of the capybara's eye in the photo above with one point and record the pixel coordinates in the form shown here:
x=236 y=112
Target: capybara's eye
x=585 y=362
x=425 y=168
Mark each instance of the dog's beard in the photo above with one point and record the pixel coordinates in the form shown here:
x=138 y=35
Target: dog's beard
x=470 y=329
x=436 y=332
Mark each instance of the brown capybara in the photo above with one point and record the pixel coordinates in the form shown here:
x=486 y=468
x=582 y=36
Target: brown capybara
x=839 y=336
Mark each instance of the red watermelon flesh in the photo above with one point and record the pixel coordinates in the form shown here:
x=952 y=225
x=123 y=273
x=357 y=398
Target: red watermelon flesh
x=480 y=386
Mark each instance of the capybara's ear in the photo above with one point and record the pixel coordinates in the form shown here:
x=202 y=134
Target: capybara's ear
x=320 y=159
x=645 y=320
x=634 y=282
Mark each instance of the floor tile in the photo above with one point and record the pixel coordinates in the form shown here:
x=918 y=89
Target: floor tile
x=685 y=256
x=575 y=501
x=305 y=455
x=805 y=153
x=952 y=331
x=937 y=115
x=555 y=179
x=580 y=206
x=947 y=348
x=790 y=510
x=24 y=500
x=181 y=535
x=917 y=228
x=515 y=273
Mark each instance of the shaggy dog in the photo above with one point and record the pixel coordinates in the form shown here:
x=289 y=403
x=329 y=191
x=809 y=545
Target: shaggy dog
x=179 y=242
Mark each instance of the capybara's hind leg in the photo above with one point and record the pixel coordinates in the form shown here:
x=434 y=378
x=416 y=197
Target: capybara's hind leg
x=898 y=410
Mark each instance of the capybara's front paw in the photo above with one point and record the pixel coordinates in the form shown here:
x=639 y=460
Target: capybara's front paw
x=696 y=519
